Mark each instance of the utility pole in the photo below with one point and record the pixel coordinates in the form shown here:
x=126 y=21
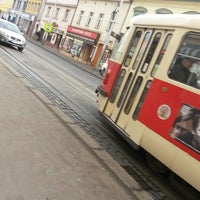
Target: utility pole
x=113 y=20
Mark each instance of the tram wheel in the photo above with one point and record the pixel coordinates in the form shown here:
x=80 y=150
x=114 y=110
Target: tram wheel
x=156 y=165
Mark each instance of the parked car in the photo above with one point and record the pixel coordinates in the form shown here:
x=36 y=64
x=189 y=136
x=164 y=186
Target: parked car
x=11 y=34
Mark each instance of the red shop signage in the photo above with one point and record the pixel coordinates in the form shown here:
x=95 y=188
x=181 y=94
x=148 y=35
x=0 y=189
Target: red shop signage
x=82 y=32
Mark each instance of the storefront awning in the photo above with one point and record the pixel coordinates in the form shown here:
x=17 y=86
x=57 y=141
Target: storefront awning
x=84 y=39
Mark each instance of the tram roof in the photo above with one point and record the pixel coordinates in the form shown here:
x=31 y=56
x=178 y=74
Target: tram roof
x=172 y=20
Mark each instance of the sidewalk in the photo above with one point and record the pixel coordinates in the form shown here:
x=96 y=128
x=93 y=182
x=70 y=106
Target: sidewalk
x=45 y=156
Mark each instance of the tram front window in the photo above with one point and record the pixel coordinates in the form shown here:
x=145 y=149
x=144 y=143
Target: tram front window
x=119 y=47
x=186 y=65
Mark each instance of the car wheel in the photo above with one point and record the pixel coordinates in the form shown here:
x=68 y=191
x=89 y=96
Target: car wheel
x=20 y=49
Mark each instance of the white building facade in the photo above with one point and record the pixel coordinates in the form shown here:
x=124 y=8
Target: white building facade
x=91 y=23
x=59 y=13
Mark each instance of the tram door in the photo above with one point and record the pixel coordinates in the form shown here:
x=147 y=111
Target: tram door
x=144 y=55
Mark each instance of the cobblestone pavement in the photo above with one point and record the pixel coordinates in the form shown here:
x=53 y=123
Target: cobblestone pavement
x=45 y=155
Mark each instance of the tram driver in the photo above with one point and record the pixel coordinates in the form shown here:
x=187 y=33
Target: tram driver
x=181 y=72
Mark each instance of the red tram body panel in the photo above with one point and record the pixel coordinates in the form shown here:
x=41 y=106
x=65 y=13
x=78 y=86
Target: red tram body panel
x=110 y=77
x=164 y=96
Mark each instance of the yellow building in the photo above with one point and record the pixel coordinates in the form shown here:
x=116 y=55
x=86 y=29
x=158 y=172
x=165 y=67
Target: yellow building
x=5 y=6
x=30 y=15
x=33 y=6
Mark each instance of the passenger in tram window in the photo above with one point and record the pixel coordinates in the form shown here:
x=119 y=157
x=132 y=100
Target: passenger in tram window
x=181 y=72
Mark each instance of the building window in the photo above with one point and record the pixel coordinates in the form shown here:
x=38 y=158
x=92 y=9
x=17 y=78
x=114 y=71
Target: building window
x=100 y=20
x=80 y=17
x=163 y=11
x=66 y=14
x=113 y=14
x=48 y=11
x=18 y=4
x=56 y=12
x=89 y=18
x=24 y=6
x=38 y=7
x=34 y=7
x=139 y=11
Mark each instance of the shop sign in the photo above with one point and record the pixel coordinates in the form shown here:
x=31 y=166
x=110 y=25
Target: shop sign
x=82 y=32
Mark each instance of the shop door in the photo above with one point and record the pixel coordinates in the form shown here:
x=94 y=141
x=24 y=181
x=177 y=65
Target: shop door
x=96 y=57
x=58 y=39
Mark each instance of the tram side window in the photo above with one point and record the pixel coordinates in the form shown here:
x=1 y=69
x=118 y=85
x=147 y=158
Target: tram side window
x=151 y=52
x=186 y=64
x=142 y=98
x=133 y=94
x=117 y=85
x=143 y=48
x=125 y=89
x=119 y=46
x=132 y=48
x=161 y=54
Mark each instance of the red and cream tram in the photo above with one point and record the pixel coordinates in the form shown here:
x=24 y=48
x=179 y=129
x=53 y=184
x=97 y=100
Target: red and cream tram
x=151 y=90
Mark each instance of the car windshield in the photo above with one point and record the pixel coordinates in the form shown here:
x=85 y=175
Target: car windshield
x=9 y=26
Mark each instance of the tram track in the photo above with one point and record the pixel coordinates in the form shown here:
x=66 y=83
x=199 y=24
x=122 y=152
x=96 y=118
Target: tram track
x=98 y=132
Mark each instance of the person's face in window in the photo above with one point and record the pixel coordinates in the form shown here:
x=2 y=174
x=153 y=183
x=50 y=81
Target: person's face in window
x=187 y=63
x=198 y=128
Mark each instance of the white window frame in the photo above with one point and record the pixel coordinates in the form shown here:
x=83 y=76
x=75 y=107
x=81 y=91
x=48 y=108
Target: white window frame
x=80 y=16
x=100 y=20
x=91 y=14
x=67 y=11
x=48 y=11
x=56 y=14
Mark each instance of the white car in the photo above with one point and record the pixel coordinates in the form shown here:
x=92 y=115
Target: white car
x=10 y=34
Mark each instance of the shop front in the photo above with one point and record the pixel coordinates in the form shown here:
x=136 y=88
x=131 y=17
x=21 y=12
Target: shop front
x=25 y=22
x=80 y=43
x=54 y=38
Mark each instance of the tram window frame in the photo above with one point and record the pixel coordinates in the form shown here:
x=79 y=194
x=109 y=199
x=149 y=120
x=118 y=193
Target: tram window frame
x=119 y=46
x=151 y=52
x=133 y=94
x=161 y=54
x=117 y=85
x=144 y=46
x=132 y=48
x=125 y=89
x=141 y=101
x=185 y=53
